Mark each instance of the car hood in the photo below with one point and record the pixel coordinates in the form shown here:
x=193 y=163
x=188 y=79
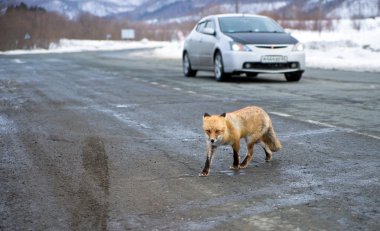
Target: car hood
x=262 y=38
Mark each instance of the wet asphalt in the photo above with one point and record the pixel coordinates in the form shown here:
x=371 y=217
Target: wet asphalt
x=113 y=141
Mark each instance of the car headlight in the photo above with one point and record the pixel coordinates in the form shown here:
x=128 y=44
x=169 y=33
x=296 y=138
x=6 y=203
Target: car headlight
x=239 y=47
x=298 y=47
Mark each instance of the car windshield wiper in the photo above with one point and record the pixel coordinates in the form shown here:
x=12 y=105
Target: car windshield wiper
x=241 y=31
x=253 y=31
x=275 y=31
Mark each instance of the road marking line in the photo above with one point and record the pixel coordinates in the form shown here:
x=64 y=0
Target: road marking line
x=122 y=117
x=365 y=134
x=320 y=123
x=309 y=132
x=210 y=96
x=191 y=92
x=280 y=114
x=328 y=125
x=125 y=105
x=177 y=88
x=343 y=129
x=154 y=83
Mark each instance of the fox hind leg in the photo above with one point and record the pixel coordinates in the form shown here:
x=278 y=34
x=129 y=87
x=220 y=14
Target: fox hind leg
x=249 y=156
x=268 y=152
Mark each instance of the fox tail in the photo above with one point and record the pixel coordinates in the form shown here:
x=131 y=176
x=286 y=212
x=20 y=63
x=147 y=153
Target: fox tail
x=270 y=139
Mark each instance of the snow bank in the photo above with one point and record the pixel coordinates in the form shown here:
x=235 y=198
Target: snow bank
x=73 y=45
x=345 y=48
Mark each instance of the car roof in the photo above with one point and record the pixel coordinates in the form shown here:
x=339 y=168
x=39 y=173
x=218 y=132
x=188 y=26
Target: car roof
x=232 y=15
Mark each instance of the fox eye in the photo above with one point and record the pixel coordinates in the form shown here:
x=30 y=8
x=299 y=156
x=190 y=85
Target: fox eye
x=208 y=131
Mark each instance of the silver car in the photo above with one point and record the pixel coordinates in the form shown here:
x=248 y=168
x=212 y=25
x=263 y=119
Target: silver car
x=240 y=43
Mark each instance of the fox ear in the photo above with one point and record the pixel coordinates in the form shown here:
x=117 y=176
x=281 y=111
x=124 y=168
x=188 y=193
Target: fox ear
x=223 y=115
x=206 y=115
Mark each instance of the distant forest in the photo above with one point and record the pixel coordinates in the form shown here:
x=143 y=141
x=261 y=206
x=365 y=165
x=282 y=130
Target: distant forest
x=24 y=27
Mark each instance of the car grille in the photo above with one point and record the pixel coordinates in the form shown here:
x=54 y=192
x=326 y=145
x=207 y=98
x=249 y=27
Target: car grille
x=271 y=47
x=271 y=66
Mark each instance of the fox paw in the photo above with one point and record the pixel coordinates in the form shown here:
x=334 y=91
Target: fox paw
x=242 y=166
x=203 y=174
x=235 y=167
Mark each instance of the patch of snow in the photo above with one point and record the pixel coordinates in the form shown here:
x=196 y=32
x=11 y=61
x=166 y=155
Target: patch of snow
x=345 y=48
x=73 y=45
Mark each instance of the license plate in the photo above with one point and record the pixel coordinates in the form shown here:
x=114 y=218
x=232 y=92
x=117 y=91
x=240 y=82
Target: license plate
x=274 y=59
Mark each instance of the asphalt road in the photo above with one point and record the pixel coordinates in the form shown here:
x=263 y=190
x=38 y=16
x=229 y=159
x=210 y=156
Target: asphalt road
x=113 y=141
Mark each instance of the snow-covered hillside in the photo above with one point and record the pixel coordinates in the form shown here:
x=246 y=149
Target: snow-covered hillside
x=72 y=8
x=166 y=10
x=356 y=8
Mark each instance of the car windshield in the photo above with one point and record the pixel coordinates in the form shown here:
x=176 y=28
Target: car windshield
x=247 y=24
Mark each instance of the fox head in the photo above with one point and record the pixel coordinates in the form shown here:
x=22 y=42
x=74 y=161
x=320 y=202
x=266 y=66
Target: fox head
x=214 y=127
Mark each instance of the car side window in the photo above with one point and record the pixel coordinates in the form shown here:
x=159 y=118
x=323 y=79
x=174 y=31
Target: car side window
x=206 y=24
x=210 y=24
x=200 y=27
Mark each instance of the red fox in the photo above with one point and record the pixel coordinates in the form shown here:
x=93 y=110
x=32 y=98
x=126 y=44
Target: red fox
x=251 y=123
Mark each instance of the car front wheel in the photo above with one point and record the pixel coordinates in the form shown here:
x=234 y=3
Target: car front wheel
x=186 y=66
x=220 y=75
x=293 y=76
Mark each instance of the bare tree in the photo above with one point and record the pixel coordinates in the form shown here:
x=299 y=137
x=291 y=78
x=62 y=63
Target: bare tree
x=236 y=6
x=320 y=13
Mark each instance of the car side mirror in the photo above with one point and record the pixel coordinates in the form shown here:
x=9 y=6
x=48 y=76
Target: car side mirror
x=209 y=31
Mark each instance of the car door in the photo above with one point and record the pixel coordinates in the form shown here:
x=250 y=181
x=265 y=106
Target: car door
x=207 y=44
x=194 y=44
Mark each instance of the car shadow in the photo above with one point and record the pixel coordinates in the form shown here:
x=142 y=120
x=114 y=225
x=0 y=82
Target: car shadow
x=244 y=79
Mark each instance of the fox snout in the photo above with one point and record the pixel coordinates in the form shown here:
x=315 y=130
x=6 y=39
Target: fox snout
x=213 y=141
x=213 y=138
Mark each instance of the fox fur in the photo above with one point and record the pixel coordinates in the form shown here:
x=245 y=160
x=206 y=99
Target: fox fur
x=251 y=123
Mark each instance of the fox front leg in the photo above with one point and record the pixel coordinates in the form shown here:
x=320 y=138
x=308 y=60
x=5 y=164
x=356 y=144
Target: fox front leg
x=210 y=153
x=236 y=149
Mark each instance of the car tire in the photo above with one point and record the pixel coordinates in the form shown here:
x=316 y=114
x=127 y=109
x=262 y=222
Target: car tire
x=186 y=66
x=293 y=76
x=220 y=75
